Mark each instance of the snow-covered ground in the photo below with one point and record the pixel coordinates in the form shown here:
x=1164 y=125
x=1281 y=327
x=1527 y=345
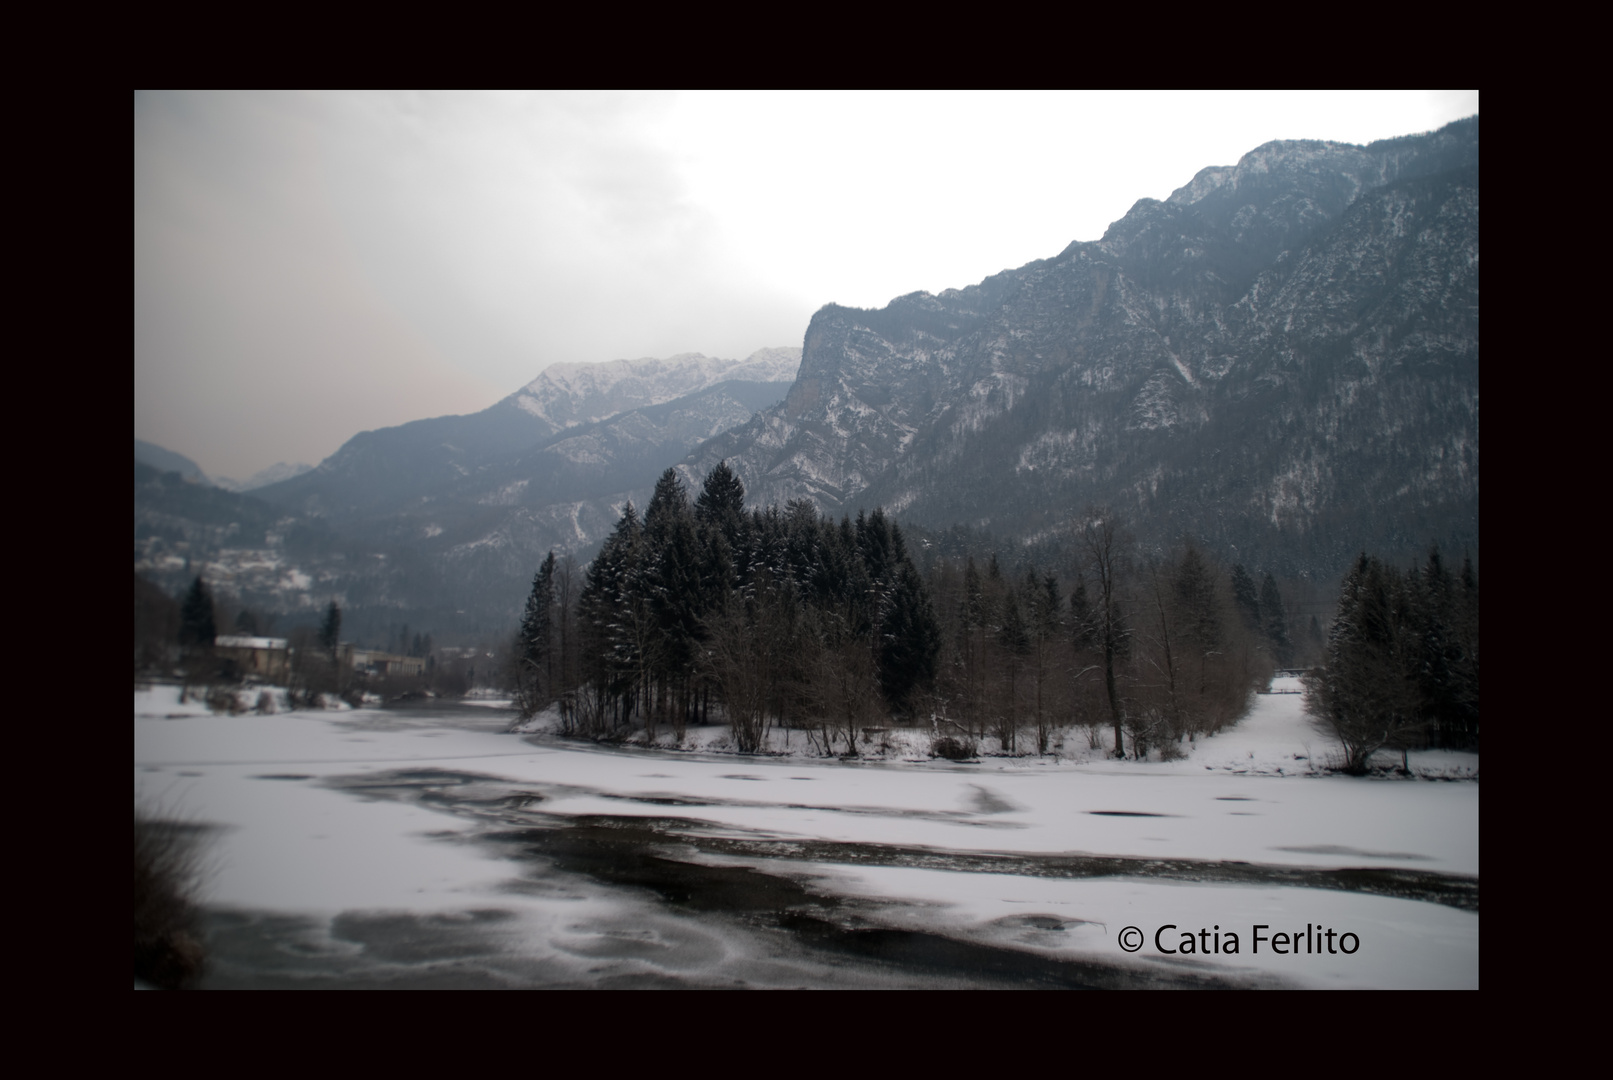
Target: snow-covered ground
x=369 y=828
x=1274 y=739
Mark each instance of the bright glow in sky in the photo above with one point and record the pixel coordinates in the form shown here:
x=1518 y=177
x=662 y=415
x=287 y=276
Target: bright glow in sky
x=311 y=265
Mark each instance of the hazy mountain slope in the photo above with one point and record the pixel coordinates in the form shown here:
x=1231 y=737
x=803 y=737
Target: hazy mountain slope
x=252 y=550
x=165 y=461
x=446 y=518
x=274 y=474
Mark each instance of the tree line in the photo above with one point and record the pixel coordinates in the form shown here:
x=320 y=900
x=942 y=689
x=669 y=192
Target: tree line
x=785 y=618
x=1143 y=652
x=1401 y=668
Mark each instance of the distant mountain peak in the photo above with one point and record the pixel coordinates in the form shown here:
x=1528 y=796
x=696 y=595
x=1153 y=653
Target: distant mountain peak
x=275 y=473
x=569 y=395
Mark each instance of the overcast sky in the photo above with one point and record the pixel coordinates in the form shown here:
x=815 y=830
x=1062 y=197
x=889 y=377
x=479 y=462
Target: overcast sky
x=308 y=266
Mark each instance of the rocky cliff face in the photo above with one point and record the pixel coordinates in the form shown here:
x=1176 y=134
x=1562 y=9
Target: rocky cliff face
x=1280 y=359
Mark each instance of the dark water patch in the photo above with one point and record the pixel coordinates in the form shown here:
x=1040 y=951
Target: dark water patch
x=436 y=776
x=987 y=801
x=1039 y=922
x=451 y=790
x=740 y=776
x=917 y=951
x=1451 y=890
x=1128 y=813
x=272 y=776
x=663 y=800
x=411 y=781
x=1340 y=849
x=632 y=855
x=1235 y=798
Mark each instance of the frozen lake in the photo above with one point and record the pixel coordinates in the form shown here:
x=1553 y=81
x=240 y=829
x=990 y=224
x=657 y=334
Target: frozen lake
x=429 y=847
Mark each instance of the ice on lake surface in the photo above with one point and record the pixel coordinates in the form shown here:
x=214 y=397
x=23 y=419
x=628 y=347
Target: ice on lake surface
x=430 y=847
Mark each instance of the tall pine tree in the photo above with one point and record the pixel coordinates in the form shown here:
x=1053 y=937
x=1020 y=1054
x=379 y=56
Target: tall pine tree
x=1275 y=621
x=196 y=619
x=534 y=647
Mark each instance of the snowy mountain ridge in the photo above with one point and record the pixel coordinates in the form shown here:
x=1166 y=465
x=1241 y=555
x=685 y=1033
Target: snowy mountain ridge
x=275 y=473
x=1281 y=360
x=567 y=395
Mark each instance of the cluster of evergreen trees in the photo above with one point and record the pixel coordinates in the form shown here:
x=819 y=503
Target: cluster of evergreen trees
x=781 y=616
x=1401 y=668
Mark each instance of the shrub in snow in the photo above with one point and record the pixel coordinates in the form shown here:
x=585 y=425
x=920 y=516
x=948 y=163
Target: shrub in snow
x=223 y=699
x=952 y=749
x=168 y=950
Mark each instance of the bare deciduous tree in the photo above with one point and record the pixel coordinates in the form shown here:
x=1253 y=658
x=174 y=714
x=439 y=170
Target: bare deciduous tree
x=1104 y=546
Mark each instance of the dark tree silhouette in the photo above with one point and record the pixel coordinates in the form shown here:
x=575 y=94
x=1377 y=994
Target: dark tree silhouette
x=196 y=625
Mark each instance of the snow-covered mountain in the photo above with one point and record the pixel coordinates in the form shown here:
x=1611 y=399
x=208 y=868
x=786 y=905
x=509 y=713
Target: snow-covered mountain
x=1279 y=360
x=568 y=395
x=376 y=473
x=275 y=473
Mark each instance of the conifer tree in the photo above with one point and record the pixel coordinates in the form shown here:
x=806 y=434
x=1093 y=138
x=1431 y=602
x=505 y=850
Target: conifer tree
x=669 y=502
x=973 y=616
x=910 y=640
x=1013 y=636
x=1197 y=603
x=330 y=639
x=1466 y=671
x=1246 y=597
x=534 y=652
x=1366 y=693
x=1044 y=606
x=330 y=630
x=196 y=618
x=611 y=619
x=1275 y=621
x=722 y=502
x=1448 y=672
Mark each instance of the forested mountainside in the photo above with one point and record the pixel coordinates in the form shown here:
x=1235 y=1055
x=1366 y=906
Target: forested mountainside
x=1280 y=361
